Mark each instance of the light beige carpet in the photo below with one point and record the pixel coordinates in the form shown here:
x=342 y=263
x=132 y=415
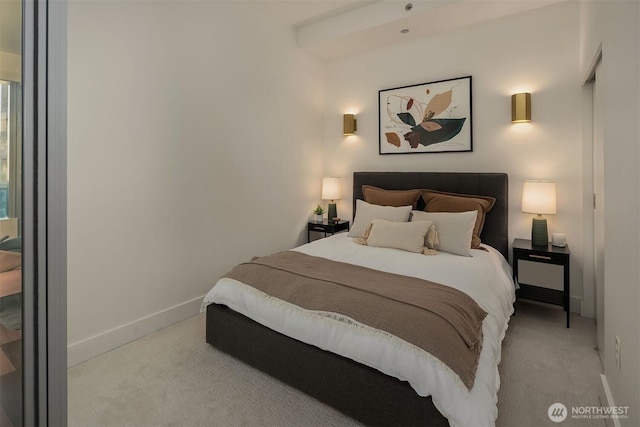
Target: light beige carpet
x=543 y=363
x=173 y=378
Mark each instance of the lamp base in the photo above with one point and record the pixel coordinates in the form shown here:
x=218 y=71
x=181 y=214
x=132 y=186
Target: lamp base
x=333 y=212
x=539 y=233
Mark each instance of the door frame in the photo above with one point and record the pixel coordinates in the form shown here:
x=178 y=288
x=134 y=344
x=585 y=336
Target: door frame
x=599 y=236
x=591 y=297
x=44 y=68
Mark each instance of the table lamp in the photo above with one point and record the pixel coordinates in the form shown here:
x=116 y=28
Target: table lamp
x=331 y=191
x=539 y=197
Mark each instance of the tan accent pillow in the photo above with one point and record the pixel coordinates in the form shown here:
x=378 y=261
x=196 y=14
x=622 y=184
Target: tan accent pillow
x=10 y=260
x=406 y=236
x=440 y=201
x=382 y=197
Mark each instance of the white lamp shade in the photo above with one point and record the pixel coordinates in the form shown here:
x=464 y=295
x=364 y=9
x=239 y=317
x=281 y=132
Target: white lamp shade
x=331 y=189
x=539 y=197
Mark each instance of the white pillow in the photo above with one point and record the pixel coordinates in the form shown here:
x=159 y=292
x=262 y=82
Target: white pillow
x=455 y=229
x=366 y=212
x=407 y=236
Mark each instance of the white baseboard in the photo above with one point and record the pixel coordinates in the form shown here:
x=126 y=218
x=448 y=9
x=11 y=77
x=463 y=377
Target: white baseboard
x=575 y=304
x=96 y=345
x=606 y=399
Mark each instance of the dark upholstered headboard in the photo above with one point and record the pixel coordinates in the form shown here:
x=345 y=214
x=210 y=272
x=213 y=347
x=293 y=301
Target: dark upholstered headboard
x=496 y=227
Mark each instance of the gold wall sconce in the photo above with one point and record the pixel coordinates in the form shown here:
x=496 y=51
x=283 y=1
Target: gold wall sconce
x=521 y=107
x=350 y=125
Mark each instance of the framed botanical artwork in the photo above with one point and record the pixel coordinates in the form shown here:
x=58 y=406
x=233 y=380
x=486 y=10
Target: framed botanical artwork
x=430 y=117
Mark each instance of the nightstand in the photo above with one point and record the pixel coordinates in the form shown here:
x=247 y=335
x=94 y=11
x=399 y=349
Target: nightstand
x=326 y=227
x=542 y=273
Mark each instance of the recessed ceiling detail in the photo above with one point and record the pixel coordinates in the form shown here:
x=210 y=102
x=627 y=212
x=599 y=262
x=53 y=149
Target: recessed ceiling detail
x=373 y=24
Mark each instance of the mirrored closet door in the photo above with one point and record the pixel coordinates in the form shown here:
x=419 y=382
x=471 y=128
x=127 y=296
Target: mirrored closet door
x=32 y=212
x=11 y=372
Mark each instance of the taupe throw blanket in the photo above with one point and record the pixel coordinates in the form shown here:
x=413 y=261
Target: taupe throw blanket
x=438 y=319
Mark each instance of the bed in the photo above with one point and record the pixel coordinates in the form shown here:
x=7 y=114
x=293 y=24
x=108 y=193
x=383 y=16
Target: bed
x=381 y=392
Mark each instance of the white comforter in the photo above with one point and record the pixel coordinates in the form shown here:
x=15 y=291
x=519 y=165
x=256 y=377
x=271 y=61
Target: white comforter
x=486 y=277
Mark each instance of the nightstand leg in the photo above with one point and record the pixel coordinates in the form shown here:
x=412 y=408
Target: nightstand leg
x=567 y=296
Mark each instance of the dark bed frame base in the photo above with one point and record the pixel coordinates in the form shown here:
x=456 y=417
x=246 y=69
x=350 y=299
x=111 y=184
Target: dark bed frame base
x=356 y=390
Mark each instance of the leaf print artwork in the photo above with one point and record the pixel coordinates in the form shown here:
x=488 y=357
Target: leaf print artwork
x=393 y=139
x=430 y=117
x=438 y=104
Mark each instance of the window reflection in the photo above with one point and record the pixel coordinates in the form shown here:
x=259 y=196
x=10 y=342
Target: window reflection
x=10 y=213
x=10 y=261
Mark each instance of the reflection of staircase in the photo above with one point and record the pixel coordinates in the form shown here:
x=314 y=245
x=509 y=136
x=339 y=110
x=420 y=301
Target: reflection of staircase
x=5 y=421
x=10 y=377
x=5 y=364
x=13 y=353
x=8 y=337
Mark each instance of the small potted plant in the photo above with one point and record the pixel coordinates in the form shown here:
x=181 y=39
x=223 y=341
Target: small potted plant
x=319 y=211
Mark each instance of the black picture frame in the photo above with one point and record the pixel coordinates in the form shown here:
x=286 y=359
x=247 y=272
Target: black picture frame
x=433 y=117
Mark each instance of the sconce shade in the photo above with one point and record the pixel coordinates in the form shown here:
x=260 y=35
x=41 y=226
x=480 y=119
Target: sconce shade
x=539 y=197
x=350 y=125
x=521 y=107
x=331 y=191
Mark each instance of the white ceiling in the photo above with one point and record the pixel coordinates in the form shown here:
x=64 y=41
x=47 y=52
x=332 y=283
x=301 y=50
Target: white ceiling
x=332 y=29
x=303 y=12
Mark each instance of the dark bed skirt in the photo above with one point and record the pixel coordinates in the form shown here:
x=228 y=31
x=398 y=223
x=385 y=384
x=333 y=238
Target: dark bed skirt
x=358 y=391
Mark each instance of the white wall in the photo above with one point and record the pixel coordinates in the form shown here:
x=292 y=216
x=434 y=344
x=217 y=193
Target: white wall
x=182 y=161
x=615 y=26
x=10 y=66
x=11 y=40
x=534 y=51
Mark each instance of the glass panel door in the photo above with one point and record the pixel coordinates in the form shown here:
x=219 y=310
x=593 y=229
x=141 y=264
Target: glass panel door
x=11 y=318
x=33 y=212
